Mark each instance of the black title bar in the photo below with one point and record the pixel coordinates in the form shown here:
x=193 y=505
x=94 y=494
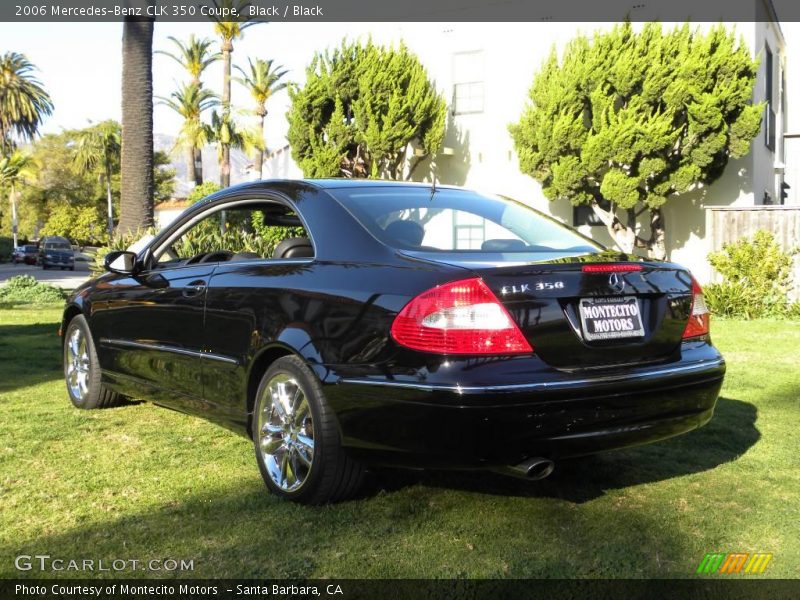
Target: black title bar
x=403 y=10
x=716 y=588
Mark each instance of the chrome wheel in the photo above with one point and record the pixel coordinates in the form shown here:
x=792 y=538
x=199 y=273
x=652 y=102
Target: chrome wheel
x=285 y=432
x=76 y=362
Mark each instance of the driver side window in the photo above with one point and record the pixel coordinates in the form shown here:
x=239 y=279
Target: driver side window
x=246 y=232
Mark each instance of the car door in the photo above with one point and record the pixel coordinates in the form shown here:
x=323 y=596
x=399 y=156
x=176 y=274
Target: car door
x=250 y=299
x=150 y=324
x=152 y=332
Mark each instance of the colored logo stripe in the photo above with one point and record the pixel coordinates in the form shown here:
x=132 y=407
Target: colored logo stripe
x=733 y=563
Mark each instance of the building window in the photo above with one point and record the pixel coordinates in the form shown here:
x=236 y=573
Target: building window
x=469 y=230
x=585 y=215
x=769 y=111
x=467 y=83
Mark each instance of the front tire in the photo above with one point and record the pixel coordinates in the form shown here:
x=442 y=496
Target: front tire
x=296 y=438
x=82 y=369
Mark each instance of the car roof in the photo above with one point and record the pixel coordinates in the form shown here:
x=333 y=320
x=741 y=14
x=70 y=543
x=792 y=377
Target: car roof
x=329 y=183
x=342 y=182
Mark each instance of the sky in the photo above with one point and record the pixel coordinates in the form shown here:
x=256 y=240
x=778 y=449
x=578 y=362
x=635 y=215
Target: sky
x=80 y=64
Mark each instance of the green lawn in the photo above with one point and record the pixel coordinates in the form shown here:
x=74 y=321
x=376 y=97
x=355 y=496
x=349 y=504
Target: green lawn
x=142 y=482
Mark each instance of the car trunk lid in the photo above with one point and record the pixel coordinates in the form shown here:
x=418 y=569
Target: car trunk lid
x=588 y=311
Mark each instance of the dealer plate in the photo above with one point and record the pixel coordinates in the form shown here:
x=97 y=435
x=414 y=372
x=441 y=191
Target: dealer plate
x=611 y=318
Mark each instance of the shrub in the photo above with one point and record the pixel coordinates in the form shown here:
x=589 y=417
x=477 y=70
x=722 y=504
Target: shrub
x=24 y=289
x=256 y=236
x=6 y=248
x=201 y=191
x=119 y=242
x=83 y=225
x=756 y=278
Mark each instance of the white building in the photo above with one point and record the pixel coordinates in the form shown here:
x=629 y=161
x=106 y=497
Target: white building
x=485 y=71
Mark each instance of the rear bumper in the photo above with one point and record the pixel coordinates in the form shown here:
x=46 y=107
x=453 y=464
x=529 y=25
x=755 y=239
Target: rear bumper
x=403 y=423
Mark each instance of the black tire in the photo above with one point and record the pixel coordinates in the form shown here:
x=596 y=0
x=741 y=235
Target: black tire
x=96 y=395
x=333 y=476
x=72 y=268
x=44 y=267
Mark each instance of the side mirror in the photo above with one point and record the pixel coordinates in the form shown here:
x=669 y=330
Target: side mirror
x=120 y=261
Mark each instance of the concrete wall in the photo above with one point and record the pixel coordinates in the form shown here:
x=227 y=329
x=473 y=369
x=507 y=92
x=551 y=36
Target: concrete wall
x=164 y=217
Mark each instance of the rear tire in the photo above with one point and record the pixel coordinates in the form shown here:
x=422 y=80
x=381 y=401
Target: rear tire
x=296 y=438
x=82 y=369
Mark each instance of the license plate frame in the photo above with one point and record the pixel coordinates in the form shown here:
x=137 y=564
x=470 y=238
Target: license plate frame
x=615 y=318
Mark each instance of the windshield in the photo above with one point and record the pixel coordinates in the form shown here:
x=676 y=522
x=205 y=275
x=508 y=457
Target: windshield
x=57 y=246
x=458 y=221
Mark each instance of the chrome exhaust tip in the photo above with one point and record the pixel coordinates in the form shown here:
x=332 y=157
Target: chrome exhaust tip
x=531 y=469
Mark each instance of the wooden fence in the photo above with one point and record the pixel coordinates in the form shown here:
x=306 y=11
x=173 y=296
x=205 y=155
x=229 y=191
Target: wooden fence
x=725 y=224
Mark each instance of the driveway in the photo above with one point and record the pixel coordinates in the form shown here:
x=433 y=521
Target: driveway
x=64 y=279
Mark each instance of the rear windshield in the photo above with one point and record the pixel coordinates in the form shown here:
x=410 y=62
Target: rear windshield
x=57 y=246
x=458 y=221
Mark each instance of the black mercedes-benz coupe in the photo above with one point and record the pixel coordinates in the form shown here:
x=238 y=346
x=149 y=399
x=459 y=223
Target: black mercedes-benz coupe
x=342 y=323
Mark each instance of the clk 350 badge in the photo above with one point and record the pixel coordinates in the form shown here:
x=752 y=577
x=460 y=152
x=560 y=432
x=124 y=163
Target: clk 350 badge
x=538 y=286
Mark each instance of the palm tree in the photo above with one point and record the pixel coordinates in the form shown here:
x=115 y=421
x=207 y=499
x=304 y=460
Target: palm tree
x=100 y=143
x=226 y=133
x=189 y=101
x=195 y=56
x=14 y=168
x=228 y=31
x=263 y=81
x=136 y=203
x=23 y=101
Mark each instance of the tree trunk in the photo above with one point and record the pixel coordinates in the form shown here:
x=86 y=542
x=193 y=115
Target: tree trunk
x=225 y=167
x=191 y=171
x=198 y=166
x=658 y=242
x=624 y=237
x=109 y=198
x=258 y=159
x=225 y=164
x=136 y=204
x=12 y=196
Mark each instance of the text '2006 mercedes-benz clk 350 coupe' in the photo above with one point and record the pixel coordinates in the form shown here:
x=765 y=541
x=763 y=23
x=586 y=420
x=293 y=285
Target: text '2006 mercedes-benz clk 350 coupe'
x=341 y=324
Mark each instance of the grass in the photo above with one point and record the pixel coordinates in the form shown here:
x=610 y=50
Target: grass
x=141 y=482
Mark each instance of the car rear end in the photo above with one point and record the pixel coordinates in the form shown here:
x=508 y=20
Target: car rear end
x=547 y=345
x=29 y=254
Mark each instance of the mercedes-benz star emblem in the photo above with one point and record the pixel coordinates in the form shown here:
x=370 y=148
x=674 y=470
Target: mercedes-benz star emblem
x=616 y=283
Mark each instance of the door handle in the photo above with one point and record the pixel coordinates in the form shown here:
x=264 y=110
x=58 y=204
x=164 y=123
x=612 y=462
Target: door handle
x=195 y=288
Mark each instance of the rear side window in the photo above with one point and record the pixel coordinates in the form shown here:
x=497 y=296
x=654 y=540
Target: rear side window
x=458 y=221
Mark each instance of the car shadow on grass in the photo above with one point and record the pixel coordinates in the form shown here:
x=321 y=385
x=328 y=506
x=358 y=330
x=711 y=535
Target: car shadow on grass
x=32 y=355
x=730 y=433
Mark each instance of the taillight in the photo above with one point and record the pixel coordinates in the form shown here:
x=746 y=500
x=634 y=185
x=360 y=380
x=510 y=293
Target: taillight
x=699 y=316
x=461 y=317
x=611 y=268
